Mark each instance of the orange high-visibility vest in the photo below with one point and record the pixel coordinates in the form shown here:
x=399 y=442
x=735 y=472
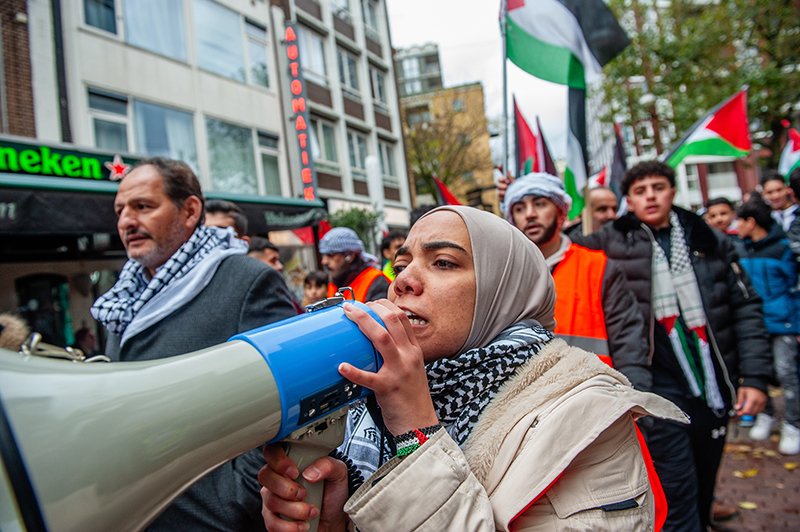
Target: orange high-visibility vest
x=580 y=319
x=360 y=284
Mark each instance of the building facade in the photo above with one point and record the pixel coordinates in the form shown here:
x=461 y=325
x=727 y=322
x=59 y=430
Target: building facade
x=447 y=135
x=418 y=69
x=209 y=82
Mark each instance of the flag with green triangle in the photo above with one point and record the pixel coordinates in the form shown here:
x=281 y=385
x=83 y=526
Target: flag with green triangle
x=723 y=131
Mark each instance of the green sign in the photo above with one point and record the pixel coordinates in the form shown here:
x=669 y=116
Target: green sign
x=29 y=158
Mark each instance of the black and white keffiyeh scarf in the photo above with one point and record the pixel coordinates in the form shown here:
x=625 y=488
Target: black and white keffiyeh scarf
x=461 y=387
x=136 y=301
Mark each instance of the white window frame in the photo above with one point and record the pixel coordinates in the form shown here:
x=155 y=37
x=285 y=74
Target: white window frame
x=371 y=27
x=388 y=153
x=321 y=159
x=272 y=152
x=342 y=55
x=248 y=38
x=359 y=169
x=99 y=114
x=382 y=100
x=306 y=35
x=117 y=28
x=341 y=9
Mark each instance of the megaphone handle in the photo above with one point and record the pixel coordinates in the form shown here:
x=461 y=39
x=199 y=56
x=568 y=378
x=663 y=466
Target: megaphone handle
x=303 y=453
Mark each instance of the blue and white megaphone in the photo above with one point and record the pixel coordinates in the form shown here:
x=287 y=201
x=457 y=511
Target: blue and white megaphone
x=98 y=447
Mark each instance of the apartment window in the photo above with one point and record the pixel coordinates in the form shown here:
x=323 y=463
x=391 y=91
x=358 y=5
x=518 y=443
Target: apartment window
x=312 y=54
x=257 y=54
x=100 y=14
x=411 y=67
x=348 y=71
x=357 y=148
x=109 y=114
x=218 y=48
x=388 y=169
x=323 y=144
x=341 y=9
x=268 y=151
x=412 y=87
x=378 y=78
x=156 y=25
x=231 y=157
x=458 y=105
x=164 y=131
x=418 y=116
x=370 y=8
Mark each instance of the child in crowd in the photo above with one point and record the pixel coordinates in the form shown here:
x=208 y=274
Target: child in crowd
x=772 y=269
x=315 y=287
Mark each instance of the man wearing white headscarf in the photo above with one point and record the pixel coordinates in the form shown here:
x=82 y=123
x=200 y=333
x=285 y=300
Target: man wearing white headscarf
x=595 y=309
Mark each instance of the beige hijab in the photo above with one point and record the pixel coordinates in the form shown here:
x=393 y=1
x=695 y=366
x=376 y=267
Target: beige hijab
x=512 y=281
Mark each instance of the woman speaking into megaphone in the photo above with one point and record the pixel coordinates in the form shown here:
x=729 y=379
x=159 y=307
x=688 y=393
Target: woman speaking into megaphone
x=485 y=418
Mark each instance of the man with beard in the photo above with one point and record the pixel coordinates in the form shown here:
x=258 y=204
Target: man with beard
x=594 y=308
x=344 y=259
x=186 y=287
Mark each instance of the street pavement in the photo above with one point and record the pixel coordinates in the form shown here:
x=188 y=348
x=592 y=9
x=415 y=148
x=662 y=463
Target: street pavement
x=763 y=483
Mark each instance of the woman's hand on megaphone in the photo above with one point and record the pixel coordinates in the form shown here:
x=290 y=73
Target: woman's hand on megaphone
x=401 y=384
x=283 y=498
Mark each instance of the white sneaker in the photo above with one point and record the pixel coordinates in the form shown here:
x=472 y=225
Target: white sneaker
x=790 y=439
x=762 y=428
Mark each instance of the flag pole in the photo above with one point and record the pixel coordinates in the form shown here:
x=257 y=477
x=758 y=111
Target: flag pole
x=503 y=17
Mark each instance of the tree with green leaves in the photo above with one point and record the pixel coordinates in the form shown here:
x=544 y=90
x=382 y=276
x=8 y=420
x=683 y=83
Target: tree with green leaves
x=362 y=221
x=688 y=56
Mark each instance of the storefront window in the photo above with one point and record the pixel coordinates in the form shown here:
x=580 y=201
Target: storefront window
x=43 y=301
x=233 y=165
x=166 y=132
x=156 y=25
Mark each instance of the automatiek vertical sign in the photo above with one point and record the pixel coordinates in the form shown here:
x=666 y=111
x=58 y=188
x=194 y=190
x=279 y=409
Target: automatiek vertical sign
x=299 y=118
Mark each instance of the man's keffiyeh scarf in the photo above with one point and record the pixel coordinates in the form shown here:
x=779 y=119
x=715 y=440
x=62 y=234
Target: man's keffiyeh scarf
x=461 y=387
x=136 y=302
x=676 y=295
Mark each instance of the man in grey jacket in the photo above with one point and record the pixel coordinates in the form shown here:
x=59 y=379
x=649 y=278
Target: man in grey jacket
x=187 y=287
x=595 y=310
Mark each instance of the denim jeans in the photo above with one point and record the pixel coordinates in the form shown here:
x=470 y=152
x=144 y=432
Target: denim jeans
x=785 y=357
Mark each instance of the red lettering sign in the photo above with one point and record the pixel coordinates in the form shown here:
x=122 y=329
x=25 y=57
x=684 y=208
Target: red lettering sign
x=298 y=105
x=304 y=157
x=305 y=173
x=295 y=69
x=302 y=138
x=300 y=123
x=297 y=87
x=290 y=35
x=291 y=52
x=308 y=194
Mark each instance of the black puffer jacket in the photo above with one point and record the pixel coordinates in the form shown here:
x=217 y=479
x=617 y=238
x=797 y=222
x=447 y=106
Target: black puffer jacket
x=732 y=307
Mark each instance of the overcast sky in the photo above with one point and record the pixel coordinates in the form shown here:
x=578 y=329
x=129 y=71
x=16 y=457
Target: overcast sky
x=470 y=49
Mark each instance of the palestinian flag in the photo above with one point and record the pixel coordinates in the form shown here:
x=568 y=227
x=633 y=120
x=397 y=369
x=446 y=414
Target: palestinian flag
x=723 y=131
x=563 y=41
x=544 y=158
x=790 y=158
x=532 y=153
x=444 y=196
x=525 y=144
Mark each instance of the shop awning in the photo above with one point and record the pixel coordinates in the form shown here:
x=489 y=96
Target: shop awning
x=38 y=205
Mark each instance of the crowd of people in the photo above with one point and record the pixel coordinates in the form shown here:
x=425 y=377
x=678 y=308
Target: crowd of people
x=535 y=374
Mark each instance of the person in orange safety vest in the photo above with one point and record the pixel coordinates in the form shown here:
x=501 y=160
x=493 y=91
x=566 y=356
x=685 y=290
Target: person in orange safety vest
x=595 y=310
x=344 y=259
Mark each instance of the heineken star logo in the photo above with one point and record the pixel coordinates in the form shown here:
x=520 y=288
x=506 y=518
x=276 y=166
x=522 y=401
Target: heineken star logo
x=117 y=168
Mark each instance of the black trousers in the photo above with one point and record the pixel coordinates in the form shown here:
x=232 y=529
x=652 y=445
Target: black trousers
x=687 y=458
